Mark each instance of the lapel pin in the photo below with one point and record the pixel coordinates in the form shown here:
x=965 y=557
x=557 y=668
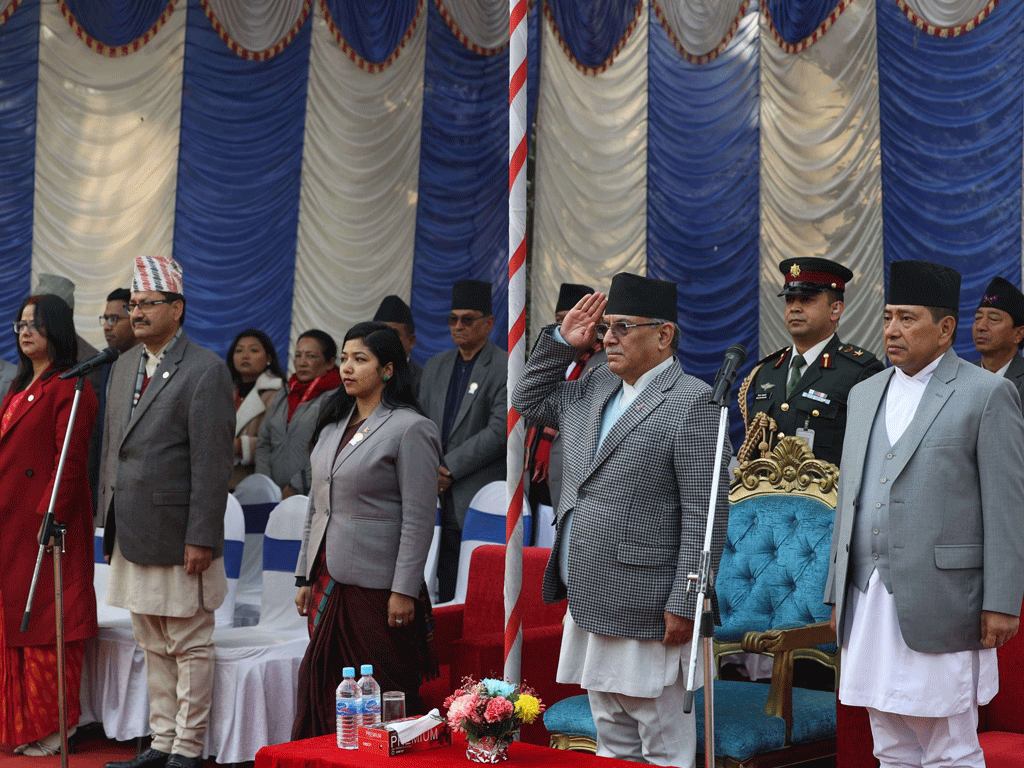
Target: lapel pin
x=166 y=374
x=31 y=398
x=473 y=388
x=357 y=437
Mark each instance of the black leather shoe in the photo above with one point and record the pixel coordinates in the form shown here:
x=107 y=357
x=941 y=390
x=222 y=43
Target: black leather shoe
x=180 y=761
x=151 y=758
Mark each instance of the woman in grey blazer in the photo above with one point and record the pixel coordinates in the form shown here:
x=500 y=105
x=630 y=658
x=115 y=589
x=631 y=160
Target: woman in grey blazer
x=372 y=508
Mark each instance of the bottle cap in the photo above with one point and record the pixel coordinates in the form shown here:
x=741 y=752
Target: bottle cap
x=348 y=672
x=366 y=669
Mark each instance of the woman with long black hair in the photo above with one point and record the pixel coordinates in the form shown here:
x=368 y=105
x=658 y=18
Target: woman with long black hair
x=33 y=419
x=372 y=508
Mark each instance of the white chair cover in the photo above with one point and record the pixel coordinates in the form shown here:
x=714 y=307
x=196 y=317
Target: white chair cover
x=544 y=529
x=234 y=548
x=485 y=524
x=257 y=668
x=430 y=567
x=253 y=493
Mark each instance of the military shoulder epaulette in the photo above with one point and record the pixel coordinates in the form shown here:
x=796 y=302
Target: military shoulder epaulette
x=854 y=353
x=778 y=355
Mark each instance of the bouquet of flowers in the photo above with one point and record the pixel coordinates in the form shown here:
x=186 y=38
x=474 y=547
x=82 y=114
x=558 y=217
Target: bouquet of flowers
x=491 y=709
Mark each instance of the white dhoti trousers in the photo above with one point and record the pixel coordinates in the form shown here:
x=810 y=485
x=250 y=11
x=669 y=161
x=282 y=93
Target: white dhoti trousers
x=905 y=741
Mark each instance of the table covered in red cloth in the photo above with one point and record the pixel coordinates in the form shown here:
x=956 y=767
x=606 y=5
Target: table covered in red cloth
x=322 y=752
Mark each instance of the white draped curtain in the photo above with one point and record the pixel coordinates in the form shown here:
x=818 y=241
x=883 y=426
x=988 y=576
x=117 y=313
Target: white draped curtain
x=106 y=158
x=700 y=25
x=483 y=22
x=256 y=25
x=360 y=177
x=590 y=204
x=821 y=169
x=947 y=13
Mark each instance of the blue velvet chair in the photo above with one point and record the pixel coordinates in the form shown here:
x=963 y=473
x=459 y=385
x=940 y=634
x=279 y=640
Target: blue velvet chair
x=770 y=585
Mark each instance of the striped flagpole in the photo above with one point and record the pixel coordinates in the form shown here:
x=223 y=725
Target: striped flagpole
x=516 y=333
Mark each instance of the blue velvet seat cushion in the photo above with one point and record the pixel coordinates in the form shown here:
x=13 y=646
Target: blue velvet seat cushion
x=742 y=729
x=774 y=565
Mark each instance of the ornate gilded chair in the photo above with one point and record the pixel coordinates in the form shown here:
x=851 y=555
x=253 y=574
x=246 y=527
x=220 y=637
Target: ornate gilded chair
x=770 y=584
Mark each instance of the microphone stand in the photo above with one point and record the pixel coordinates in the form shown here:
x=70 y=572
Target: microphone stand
x=703 y=620
x=54 y=530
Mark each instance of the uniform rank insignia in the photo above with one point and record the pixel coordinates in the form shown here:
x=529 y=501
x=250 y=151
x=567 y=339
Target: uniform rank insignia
x=826 y=360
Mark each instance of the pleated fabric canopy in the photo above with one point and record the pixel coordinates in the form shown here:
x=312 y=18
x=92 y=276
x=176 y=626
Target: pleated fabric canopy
x=304 y=158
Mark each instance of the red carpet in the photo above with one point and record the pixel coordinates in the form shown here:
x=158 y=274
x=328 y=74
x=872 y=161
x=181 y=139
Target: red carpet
x=90 y=749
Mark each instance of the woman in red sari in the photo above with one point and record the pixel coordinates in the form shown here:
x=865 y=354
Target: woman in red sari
x=34 y=416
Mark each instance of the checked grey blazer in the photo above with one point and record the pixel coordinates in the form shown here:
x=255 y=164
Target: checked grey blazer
x=639 y=502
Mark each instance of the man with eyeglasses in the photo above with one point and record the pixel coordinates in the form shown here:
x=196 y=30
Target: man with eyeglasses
x=463 y=391
x=167 y=460
x=803 y=388
x=640 y=439
x=118 y=333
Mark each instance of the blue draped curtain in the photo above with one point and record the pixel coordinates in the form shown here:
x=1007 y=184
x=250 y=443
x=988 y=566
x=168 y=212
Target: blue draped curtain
x=373 y=28
x=703 y=198
x=462 y=212
x=796 y=19
x=19 y=62
x=592 y=29
x=117 y=22
x=239 y=169
x=951 y=124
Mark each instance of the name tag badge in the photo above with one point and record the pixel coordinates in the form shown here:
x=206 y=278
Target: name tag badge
x=762 y=396
x=808 y=436
x=819 y=397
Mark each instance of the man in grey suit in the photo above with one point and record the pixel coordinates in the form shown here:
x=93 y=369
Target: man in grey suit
x=167 y=460
x=927 y=569
x=7 y=373
x=463 y=391
x=640 y=438
x=998 y=331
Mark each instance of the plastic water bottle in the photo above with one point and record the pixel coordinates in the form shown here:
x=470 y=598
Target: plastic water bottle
x=348 y=703
x=369 y=689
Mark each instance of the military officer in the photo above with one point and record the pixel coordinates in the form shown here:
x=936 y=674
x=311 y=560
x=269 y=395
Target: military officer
x=804 y=387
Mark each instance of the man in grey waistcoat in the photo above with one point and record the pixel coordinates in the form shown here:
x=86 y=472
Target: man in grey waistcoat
x=640 y=438
x=998 y=331
x=167 y=460
x=927 y=570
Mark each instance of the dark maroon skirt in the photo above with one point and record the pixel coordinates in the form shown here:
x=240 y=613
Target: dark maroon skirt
x=351 y=630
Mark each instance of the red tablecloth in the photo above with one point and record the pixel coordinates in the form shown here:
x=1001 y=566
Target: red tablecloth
x=322 y=752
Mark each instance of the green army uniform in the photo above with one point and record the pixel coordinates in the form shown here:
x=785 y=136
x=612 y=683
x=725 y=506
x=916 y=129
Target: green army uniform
x=819 y=400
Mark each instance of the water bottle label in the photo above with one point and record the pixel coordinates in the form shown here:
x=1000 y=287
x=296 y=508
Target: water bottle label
x=347 y=707
x=371 y=706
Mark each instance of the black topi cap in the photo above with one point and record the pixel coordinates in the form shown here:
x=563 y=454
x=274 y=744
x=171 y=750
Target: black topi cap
x=811 y=275
x=472 y=294
x=569 y=296
x=923 y=283
x=642 y=297
x=1004 y=295
x=393 y=310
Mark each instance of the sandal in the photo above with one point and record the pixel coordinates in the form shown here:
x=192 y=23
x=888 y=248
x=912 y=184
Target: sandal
x=47 y=746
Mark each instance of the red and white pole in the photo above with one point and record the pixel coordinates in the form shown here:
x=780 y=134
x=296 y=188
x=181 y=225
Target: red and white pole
x=517 y=131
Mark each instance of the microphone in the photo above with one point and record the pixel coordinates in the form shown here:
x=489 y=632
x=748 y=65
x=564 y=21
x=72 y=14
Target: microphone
x=108 y=355
x=734 y=358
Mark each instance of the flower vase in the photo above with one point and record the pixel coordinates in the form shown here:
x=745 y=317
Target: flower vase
x=488 y=749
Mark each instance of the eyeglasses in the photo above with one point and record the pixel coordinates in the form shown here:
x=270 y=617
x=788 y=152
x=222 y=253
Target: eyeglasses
x=619 y=328
x=111 y=320
x=21 y=325
x=145 y=305
x=466 y=320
